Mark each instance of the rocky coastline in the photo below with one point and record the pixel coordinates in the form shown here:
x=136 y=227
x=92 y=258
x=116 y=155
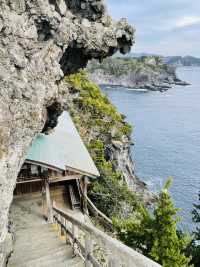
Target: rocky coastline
x=149 y=73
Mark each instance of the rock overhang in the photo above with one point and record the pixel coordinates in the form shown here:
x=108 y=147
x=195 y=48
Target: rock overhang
x=34 y=38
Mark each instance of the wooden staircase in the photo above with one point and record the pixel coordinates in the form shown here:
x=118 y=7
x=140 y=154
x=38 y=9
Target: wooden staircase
x=74 y=195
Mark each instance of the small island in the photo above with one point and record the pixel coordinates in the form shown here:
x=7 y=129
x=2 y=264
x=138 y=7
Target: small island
x=146 y=72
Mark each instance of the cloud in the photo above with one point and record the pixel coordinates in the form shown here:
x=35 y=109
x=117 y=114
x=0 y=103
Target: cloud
x=187 y=21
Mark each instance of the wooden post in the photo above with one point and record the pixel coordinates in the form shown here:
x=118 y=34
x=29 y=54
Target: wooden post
x=88 y=250
x=62 y=226
x=85 y=183
x=54 y=213
x=75 y=236
x=48 y=201
x=43 y=198
x=67 y=239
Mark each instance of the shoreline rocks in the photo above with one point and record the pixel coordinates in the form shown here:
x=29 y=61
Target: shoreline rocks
x=133 y=73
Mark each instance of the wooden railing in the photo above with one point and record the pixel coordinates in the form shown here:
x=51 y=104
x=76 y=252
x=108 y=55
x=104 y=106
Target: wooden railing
x=116 y=253
x=99 y=216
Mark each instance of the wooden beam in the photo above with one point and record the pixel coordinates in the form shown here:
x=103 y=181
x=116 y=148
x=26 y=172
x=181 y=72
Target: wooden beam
x=42 y=164
x=81 y=172
x=65 y=178
x=48 y=201
x=29 y=181
x=98 y=213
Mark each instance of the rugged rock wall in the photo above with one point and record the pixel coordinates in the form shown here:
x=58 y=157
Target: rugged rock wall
x=40 y=41
x=123 y=158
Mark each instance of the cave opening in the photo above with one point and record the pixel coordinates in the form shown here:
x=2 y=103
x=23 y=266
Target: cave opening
x=53 y=112
x=124 y=45
x=108 y=154
x=44 y=30
x=72 y=60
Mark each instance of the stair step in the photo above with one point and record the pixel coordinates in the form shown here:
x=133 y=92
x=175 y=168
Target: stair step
x=26 y=236
x=36 y=248
x=35 y=227
x=53 y=259
x=37 y=253
x=34 y=239
x=56 y=260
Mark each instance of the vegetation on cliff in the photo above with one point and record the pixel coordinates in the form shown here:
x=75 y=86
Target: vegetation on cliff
x=99 y=124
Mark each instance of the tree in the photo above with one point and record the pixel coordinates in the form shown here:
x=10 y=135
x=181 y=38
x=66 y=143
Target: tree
x=155 y=234
x=196 y=219
x=136 y=231
x=168 y=247
x=194 y=248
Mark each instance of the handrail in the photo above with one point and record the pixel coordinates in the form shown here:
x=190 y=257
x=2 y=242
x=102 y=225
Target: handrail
x=119 y=254
x=95 y=210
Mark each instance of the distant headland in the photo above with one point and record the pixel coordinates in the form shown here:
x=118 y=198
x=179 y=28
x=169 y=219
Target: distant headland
x=178 y=61
x=144 y=72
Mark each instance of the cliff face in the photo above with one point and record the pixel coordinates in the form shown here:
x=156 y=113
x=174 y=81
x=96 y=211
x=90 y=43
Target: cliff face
x=144 y=73
x=108 y=137
x=97 y=119
x=40 y=42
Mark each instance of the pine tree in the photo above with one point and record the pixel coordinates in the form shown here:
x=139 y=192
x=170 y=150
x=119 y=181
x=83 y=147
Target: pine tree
x=194 y=249
x=196 y=219
x=168 y=248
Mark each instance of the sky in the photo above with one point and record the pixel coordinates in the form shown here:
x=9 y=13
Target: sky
x=164 y=27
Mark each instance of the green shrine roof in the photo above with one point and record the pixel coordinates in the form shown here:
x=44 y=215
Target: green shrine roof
x=63 y=149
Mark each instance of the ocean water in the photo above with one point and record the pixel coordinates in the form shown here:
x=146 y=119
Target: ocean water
x=167 y=137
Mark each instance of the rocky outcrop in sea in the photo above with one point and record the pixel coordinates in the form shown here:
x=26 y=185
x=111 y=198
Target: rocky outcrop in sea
x=148 y=73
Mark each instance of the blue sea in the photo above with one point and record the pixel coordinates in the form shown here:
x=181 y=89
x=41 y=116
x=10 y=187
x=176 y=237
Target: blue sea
x=167 y=137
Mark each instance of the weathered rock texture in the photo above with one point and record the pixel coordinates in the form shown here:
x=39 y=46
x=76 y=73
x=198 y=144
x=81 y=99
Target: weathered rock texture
x=40 y=41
